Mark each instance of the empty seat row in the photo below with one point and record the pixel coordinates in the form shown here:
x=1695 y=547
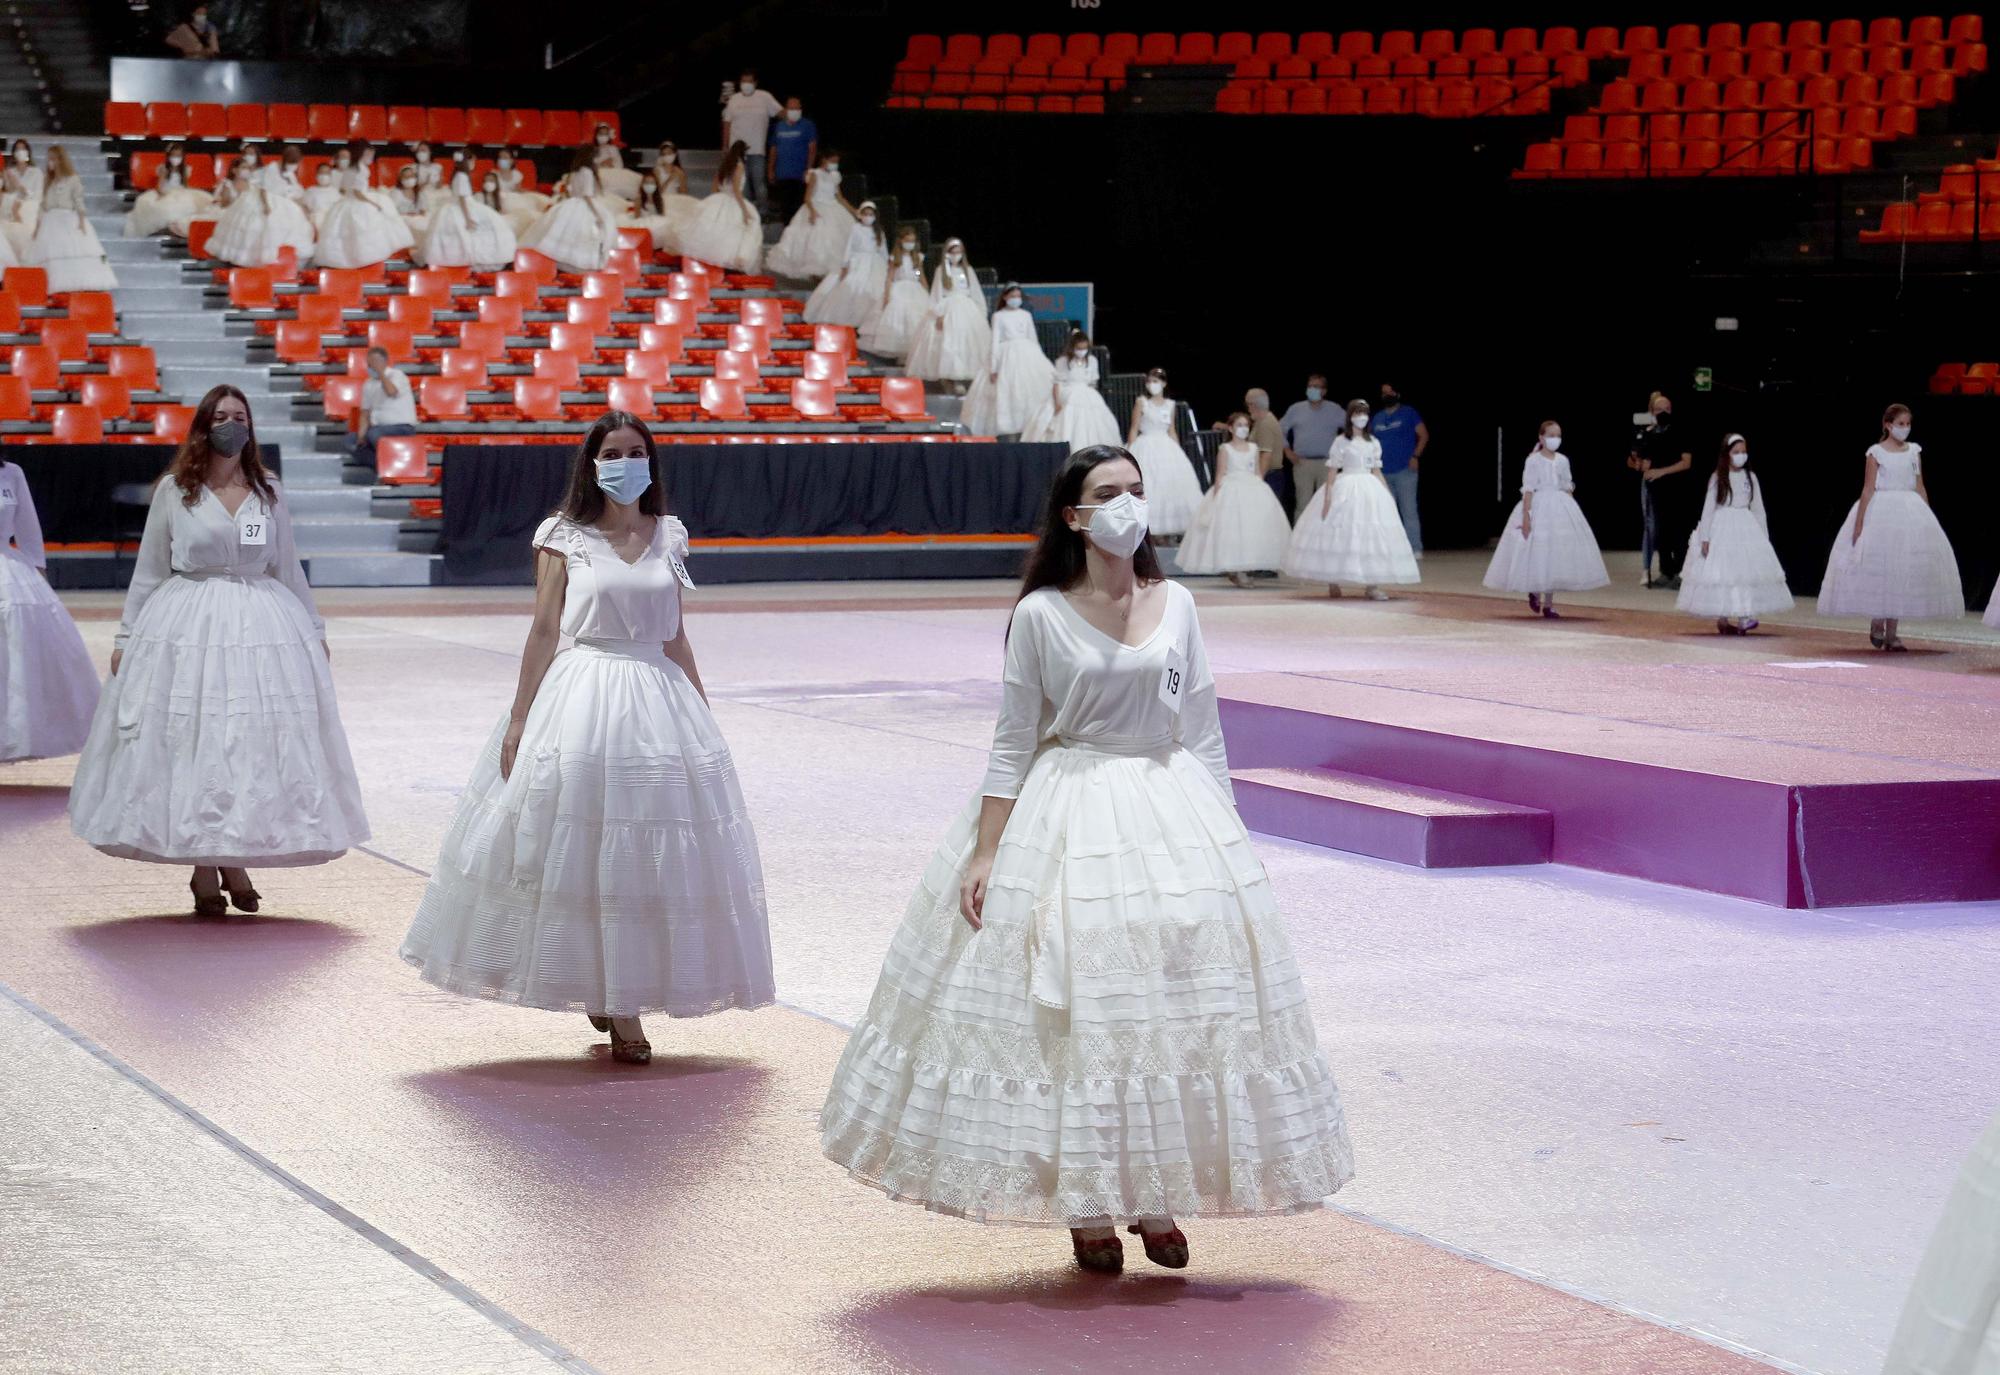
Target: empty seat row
x=1966 y=379
x=1432 y=99
x=1803 y=64
x=1699 y=157
x=78 y=423
x=1937 y=88
x=326 y=123
x=1937 y=222
x=1011 y=104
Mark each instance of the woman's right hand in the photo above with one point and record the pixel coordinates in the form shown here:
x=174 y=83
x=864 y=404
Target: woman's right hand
x=1527 y=527
x=117 y=658
x=510 y=746
x=1857 y=533
x=972 y=889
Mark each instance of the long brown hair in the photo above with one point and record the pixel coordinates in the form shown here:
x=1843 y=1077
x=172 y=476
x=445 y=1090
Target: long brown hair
x=732 y=159
x=584 y=502
x=1889 y=417
x=189 y=470
x=1723 y=468
x=1058 y=558
x=59 y=163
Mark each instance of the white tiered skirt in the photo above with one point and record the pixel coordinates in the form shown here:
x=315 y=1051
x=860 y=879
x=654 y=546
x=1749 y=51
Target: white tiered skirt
x=354 y=233
x=615 y=871
x=1127 y=1035
x=1739 y=576
x=1561 y=557
x=219 y=740
x=957 y=351
x=67 y=248
x=891 y=333
x=724 y=232
x=577 y=234
x=1359 y=538
x=1173 y=492
x=1240 y=527
x=809 y=248
x=1006 y=405
x=485 y=240
x=1902 y=566
x=155 y=211
x=1951 y=1322
x=48 y=686
x=1082 y=420
x=248 y=236
x=850 y=300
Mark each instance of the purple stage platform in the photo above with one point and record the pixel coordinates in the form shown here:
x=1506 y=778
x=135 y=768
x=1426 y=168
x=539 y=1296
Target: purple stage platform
x=1799 y=785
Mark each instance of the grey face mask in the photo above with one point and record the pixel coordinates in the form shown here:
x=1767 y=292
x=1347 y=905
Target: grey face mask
x=229 y=438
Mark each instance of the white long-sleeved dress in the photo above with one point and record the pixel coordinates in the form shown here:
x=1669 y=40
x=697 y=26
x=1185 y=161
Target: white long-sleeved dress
x=1351 y=532
x=359 y=230
x=1082 y=419
x=1173 y=492
x=615 y=870
x=1560 y=553
x=725 y=230
x=1903 y=564
x=1016 y=380
x=1740 y=574
x=48 y=687
x=890 y=332
x=1127 y=1034
x=218 y=741
x=953 y=341
x=65 y=245
x=852 y=294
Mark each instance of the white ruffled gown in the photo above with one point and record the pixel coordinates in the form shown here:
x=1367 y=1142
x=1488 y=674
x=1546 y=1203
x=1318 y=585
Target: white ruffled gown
x=1352 y=533
x=465 y=233
x=1561 y=555
x=725 y=230
x=1016 y=380
x=48 y=686
x=890 y=332
x=261 y=221
x=66 y=246
x=1740 y=576
x=615 y=871
x=575 y=231
x=21 y=187
x=1951 y=1321
x=1083 y=419
x=953 y=341
x=815 y=242
x=171 y=202
x=613 y=175
x=677 y=211
x=853 y=294
x=1173 y=492
x=358 y=231
x=1903 y=565
x=1240 y=526
x=218 y=741
x=1127 y=1034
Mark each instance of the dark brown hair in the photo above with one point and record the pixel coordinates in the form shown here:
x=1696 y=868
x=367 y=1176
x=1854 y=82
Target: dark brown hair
x=1889 y=416
x=1057 y=559
x=1723 y=468
x=731 y=160
x=1357 y=404
x=584 y=502
x=189 y=470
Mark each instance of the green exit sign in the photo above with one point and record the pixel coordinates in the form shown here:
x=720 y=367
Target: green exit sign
x=1704 y=379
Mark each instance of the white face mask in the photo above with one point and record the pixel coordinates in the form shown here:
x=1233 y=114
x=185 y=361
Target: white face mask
x=1080 y=354
x=423 y=155
x=175 y=159
x=954 y=253
x=624 y=480
x=492 y=188
x=1740 y=460
x=1241 y=431
x=506 y=162
x=603 y=139
x=1899 y=432
x=1359 y=420
x=792 y=116
x=1119 y=527
x=909 y=245
x=746 y=86
x=668 y=157
x=1155 y=388
x=833 y=167
x=1552 y=442
x=649 y=187
x=324 y=177
x=868 y=219
x=249 y=159
x=1013 y=302
x=21 y=156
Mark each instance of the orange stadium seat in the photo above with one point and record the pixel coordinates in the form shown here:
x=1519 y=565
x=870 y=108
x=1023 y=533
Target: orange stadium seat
x=463 y=365
x=722 y=400
x=171 y=423
x=16 y=400
x=207 y=120
x=29 y=286
x=537 y=398
x=37 y=365
x=137 y=365
x=633 y=394
x=446 y=126
x=560 y=366
x=77 y=425
x=166 y=119
x=737 y=365
x=124 y=119
x=402 y=459
x=443 y=398
x=110 y=397
x=69 y=339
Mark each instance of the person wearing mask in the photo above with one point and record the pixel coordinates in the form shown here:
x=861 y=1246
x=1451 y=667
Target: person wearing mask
x=815 y=242
x=1401 y=432
x=21 y=186
x=607 y=160
x=1659 y=457
x=577 y=231
x=853 y=295
x=746 y=118
x=892 y=329
x=1310 y=426
x=195 y=37
x=1005 y=393
x=724 y=229
x=794 y=153
x=953 y=341
x=670 y=208
x=170 y=201
x=388 y=406
x=468 y=232
x=65 y=245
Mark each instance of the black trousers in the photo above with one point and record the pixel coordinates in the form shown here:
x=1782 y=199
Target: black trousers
x=786 y=198
x=1673 y=523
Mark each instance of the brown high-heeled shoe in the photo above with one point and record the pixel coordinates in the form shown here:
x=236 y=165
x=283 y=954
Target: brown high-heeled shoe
x=1168 y=1248
x=247 y=899
x=206 y=905
x=1101 y=1255
x=634 y=1052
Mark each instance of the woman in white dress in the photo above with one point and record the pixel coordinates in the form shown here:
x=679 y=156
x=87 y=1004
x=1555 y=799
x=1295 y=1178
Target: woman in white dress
x=1548 y=546
x=21 y=186
x=725 y=230
x=1172 y=489
x=522 y=207
x=291 y=179
x=466 y=233
x=1891 y=558
x=218 y=742
x=1240 y=526
x=601 y=859
x=322 y=195
x=1951 y=1321
x=953 y=341
x=1091 y=1014
x=1017 y=376
x=608 y=162
x=1351 y=531
x=430 y=175
x=169 y=201
x=815 y=242
x=576 y=230
x=48 y=686
x=852 y=295
x=675 y=209
x=261 y=219
x=1074 y=412
x=65 y=245
x=407 y=196
x=358 y=231
x=1732 y=573
x=891 y=330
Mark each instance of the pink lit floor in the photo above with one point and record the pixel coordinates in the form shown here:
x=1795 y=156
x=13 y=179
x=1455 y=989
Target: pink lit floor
x=1602 y=1125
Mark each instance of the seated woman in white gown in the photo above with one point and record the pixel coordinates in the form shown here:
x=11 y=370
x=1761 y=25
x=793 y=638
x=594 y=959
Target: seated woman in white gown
x=169 y=201
x=322 y=195
x=21 y=187
x=407 y=196
x=675 y=209
x=608 y=162
x=466 y=233
x=1074 y=412
x=726 y=230
x=65 y=244
x=262 y=219
x=521 y=205
x=576 y=231
x=358 y=231
x=815 y=242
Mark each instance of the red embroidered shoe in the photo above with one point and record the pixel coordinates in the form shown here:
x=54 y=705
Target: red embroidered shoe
x=1104 y=1255
x=1168 y=1248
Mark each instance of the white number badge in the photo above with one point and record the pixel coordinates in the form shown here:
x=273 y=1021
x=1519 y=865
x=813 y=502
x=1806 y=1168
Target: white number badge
x=1172 y=679
x=253 y=524
x=680 y=571
x=7 y=496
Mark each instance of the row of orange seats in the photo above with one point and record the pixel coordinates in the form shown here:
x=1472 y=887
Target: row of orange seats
x=1700 y=157
x=327 y=123
x=82 y=424
x=1011 y=104
x=1827 y=122
x=1433 y=99
x=1966 y=379
x=1966 y=181
x=25 y=289
x=205 y=170
x=1937 y=88
x=1938 y=222
x=1802 y=64
x=652 y=358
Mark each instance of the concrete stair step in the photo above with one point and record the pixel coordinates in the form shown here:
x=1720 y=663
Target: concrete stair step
x=155 y=273
x=123 y=250
x=1371 y=816
x=151 y=300
x=218 y=353
x=314 y=471
x=154 y=325
x=370 y=570
x=325 y=503
x=364 y=536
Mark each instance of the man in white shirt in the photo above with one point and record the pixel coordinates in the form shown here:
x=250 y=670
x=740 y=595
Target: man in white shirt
x=388 y=406
x=747 y=115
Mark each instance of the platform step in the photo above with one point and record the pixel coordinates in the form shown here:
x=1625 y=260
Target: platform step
x=1371 y=816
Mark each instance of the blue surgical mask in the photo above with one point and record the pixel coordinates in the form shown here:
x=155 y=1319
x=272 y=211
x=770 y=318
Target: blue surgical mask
x=1315 y=393
x=624 y=480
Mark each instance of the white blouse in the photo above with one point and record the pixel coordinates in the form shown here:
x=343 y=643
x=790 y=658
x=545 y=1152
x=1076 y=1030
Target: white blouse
x=1542 y=473
x=1156 y=415
x=1068 y=683
x=1071 y=373
x=609 y=598
x=19 y=525
x=204 y=540
x=1234 y=459
x=953 y=281
x=907 y=267
x=1009 y=325
x=1745 y=494
x=1361 y=454
x=1897 y=470
x=863 y=245
x=64 y=193
x=826 y=186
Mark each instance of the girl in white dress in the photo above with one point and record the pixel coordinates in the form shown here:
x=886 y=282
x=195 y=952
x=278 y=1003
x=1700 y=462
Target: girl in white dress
x=290 y=181
x=576 y=230
x=1951 y=1321
x=1173 y=492
x=1240 y=526
x=953 y=341
x=1074 y=412
x=169 y=201
x=358 y=231
x=1351 y=531
x=609 y=163
x=601 y=859
x=1548 y=546
x=1017 y=377
x=465 y=233
x=217 y=742
x=322 y=195
x=1732 y=573
x=815 y=242
x=21 y=186
x=1891 y=558
x=65 y=244
x=675 y=209
x=904 y=303
x=1091 y=1014
x=408 y=199
x=522 y=207
x=852 y=295
x=48 y=687
x=261 y=219
x=725 y=230
x=430 y=175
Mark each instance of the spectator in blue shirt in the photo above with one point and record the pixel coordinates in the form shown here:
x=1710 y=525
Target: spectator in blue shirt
x=1403 y=437
x=794 y=151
